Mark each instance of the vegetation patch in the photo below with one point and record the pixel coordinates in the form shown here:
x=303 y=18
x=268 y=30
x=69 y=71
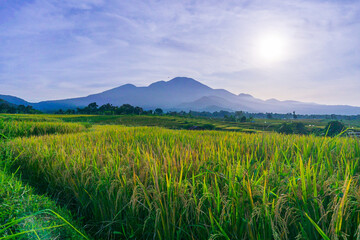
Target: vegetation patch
x=26 y=215
x=11 y=129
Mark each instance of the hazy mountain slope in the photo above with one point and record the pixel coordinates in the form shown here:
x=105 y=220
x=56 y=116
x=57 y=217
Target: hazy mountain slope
x=14 y=100
x=3 y=102
x=159 y=94
x=183 y=93
x=208 y=103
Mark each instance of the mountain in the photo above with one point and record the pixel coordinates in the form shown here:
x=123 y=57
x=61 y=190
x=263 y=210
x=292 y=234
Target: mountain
x=14 y=100
x=183 y=93
x=167 y=95
x=208 y=103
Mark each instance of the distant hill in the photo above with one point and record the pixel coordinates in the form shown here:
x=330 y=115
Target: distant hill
x=14 y=100
x=7 y=107
x=183 y=93
x=167 y=95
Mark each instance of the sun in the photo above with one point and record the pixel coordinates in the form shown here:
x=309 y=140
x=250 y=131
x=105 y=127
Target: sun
x=272 y=47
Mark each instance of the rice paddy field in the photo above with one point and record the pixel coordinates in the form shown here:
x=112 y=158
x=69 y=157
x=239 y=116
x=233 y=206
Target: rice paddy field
x=24 y=214
x=11 y=129
x=150 y=182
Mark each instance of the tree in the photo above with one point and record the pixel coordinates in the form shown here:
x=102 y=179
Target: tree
x=285 y=128
x=93 y=107
x=300 y=128
x=243 y=119
x=294 y=115
x=230 y=118
x=21 y=108
x=126 y=109
x=138 y=110
x=239 y=114
x=334 y=128
x=158 y=111
x=60 y=111
x=107 y=109
x=70 y=111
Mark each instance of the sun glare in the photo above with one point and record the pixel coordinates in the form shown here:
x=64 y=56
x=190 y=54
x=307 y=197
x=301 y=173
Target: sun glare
x=272 y=48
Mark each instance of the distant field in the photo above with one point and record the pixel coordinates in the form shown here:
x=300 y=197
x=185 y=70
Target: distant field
x=174 y=122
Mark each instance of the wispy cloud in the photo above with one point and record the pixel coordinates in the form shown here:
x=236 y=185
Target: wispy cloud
x=52 y=49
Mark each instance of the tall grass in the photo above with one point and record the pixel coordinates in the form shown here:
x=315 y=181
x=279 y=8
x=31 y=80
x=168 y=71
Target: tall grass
x=152 y=183
x=11 y=129
x=25 y=215
x=29 y=118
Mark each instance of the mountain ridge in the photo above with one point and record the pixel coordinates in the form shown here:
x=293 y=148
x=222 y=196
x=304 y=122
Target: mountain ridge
x=183 y=93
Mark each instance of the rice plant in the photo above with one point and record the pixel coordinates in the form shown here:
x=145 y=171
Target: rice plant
x=153 y=183
x=11 y=129
x=26 y=215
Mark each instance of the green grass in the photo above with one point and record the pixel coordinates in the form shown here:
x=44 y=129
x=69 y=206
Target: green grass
x=11 y=129
x=29 y=118
x=23 y=213
x=26 y=215
x=146 y=183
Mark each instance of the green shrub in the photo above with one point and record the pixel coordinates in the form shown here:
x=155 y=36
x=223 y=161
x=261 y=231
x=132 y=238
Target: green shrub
x=334 y=128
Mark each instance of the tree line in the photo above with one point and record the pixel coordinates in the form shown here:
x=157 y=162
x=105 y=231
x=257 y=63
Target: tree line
x=269 y=115
x=109 y=109
x=6 y=107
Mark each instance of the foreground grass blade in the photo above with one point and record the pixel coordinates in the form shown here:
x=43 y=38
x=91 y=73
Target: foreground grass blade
x=320 y=231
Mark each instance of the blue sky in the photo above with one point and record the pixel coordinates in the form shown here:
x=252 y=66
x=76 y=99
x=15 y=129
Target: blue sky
x=54 y=49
